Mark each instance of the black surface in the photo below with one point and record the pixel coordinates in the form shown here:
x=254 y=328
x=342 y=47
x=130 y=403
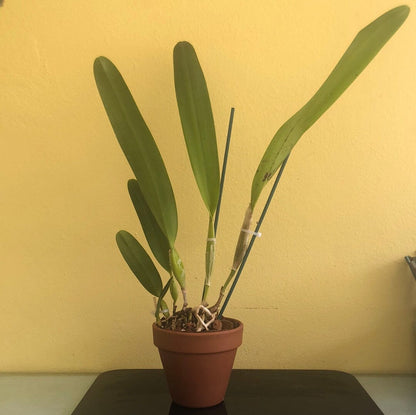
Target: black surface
x=251 y=392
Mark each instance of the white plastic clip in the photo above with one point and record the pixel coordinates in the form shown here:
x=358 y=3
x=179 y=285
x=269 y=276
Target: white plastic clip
x=211 y=239
x=250 y=232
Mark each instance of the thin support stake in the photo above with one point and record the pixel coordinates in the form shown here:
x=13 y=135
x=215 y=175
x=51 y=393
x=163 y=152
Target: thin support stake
x=224 y=168
x=254 y=237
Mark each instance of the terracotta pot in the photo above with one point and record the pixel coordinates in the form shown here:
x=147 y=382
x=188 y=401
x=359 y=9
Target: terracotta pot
x=198 y=365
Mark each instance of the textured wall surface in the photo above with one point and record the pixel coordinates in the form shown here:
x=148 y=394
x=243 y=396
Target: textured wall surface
x=326 y=285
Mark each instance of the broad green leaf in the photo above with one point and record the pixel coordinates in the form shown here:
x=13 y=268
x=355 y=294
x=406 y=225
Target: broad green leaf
x=197 y=122
x=139 y=262
x=138 y=146
x=155 y=237
x=362 y=50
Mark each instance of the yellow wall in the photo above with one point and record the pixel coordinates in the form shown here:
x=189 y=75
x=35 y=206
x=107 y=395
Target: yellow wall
x=326 y=286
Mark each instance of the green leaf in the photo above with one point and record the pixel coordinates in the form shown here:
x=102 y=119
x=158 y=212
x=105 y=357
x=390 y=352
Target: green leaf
x=139 y=262
x=155 y=237
x=138 y=146
x=197 y=122
x=362 y=50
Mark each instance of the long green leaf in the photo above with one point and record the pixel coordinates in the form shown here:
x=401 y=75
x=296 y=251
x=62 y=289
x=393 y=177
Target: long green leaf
x=155 y=237
x=197 y=122
x=362 y=50
x=138 y=145
x=139 y=262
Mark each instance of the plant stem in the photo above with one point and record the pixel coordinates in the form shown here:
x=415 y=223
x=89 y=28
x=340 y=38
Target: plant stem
x=229 y=279
x=209 y=258
x=240 y=250
x=253 y=238
x=243 y=238
x=177 y=268
x=224 y=168
x=159 y=301
x=215 y=307
x=212 y=231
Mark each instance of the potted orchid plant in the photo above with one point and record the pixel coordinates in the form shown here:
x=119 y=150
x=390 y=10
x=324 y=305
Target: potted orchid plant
x=153 y=199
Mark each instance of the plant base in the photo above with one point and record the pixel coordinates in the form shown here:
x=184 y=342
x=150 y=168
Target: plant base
x=198 y=365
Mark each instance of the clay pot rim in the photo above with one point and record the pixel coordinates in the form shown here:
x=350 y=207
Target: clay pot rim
x=202 y=333
x=198 y=343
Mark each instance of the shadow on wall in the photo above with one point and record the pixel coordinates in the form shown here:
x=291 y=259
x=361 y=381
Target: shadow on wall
x=411 y=261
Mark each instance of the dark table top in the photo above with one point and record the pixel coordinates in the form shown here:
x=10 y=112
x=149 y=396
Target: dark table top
x=306 y=392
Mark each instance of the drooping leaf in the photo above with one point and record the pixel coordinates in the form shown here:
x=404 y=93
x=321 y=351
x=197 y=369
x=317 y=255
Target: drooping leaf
x=362 y=50
x=139 y=262
x=155 y=237
x=197 y=122
x=138 y=145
